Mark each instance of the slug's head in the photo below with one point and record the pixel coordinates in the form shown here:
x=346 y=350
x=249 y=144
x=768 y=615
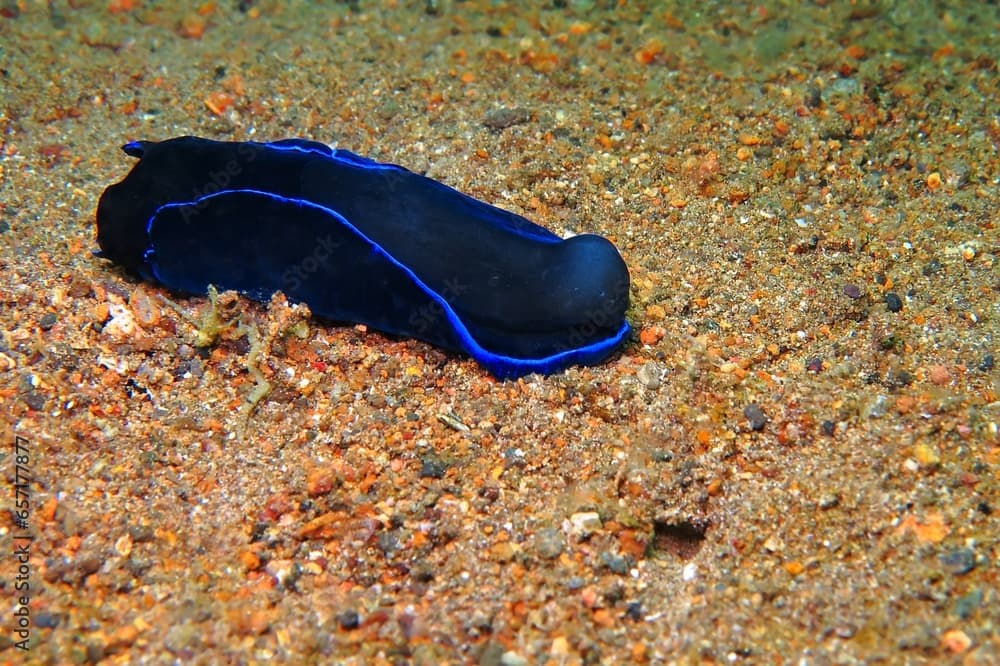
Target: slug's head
x=588 y=284
x=123 y=212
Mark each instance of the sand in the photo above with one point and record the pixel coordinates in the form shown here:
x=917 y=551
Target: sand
x=796 y=458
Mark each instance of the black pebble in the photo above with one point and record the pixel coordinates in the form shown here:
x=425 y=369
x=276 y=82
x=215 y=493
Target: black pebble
x=47 y=321
x=4 y=227
x=892 y=302
x=986 y=365
x=433 y=467
x=634 y=611
x=815 y=364
x=756 y=417
x=348 y=620
x=828 y=427
x=258 y=532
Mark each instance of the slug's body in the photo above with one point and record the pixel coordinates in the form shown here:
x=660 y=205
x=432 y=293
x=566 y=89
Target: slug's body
x=366 y=242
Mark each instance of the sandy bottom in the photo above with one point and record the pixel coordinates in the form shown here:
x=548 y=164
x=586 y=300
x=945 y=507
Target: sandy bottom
x=796 y=459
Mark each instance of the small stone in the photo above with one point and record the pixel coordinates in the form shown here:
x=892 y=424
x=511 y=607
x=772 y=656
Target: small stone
x=616 y=563
x=319 y=481
x=898 y=378
x=927 y=455
x=47 y=620
x=956 y=641
x=584 y=523
x=47 y=321
x=794 y=567
x=513 y=457
x=285 y=572
x=123 y=545
x=34 y=400
x=504 y=117
x=958 y=562
x=852 y=291
x=940 y=375
x=145 y=309
x=505 y=551
x=968 y=603
x=892 y=302
x=250 y=560
x=649 y=375
x=431 y=466
x=987 y=364
x=388 y=541
x=689 y=572
x=814 y=364
x=141 y=533
x=651 y=335
x=122 y=325
x=755 y=415
x=124 y=636
x=549 y=542
x=589 y=598
x=846 y=630
x=829 y=500
x=422 y=573
x=511 y=658
x=480 y=623
x=389 y=110
x=348 y=620
x=189 y=368
x=80 y=288
x=656 y=312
